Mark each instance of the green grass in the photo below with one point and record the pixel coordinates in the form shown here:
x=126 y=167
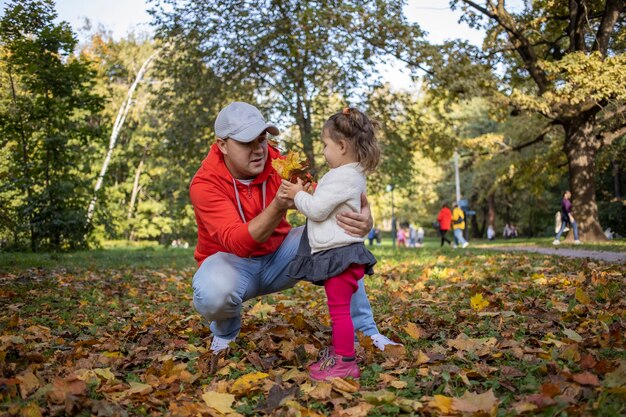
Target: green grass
x=129 y=257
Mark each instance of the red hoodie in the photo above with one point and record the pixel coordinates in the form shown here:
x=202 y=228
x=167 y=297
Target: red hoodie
x=220 y=226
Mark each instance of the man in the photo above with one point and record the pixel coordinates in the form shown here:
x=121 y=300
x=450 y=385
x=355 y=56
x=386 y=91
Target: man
x=567 y=219
x=244 y=241
x=458 y=225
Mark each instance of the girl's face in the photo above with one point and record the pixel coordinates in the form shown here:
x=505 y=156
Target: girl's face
x=334 y=152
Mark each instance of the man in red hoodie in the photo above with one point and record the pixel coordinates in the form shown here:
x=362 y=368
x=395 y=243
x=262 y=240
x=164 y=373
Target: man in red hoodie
x=244 y=241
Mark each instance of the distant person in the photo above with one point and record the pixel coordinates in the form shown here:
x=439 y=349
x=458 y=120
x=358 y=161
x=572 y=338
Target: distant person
x=374 y=234
x=420 y=236
x=491 y=234
x=401 y=237
x=507 y=231
x=412 y=236
x=458 y=225
x=444 y=218
x=567 y=219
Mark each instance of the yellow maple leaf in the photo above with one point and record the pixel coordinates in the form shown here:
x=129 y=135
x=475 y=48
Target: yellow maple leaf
x=478 y=302
x=412 y=330
x=443 y=403
x=293 y=166
x=219 y=402
x=246 y=383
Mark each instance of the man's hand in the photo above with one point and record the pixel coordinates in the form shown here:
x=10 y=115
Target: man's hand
x=281 y=200
x=357 y=224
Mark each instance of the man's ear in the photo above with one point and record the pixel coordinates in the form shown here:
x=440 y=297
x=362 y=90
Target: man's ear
x=222 y=145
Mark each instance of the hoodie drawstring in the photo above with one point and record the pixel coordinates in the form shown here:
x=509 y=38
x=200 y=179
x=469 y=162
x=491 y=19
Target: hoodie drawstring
x=263 y=186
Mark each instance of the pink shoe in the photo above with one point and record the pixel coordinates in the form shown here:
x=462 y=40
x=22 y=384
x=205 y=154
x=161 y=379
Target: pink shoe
x=334 y=366
x=321 y=356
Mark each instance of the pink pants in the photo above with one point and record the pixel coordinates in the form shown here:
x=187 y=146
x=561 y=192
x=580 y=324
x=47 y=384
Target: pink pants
x=339 y=292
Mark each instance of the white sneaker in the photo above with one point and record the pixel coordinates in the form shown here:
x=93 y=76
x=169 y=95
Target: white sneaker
x=454 y=246
x=556 y=242
x=219 y=344
x=380 y=341
x=466 y=244
x=578 y=242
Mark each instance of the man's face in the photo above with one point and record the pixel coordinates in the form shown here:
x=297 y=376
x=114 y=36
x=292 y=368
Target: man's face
x=244 y=160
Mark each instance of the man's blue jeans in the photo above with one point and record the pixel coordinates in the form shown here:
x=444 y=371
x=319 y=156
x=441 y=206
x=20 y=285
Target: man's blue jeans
x=225 y=281
x=573 y=226
x=458 y=237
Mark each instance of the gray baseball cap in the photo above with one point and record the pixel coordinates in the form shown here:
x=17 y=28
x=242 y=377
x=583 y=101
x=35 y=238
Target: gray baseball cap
x=242 y=122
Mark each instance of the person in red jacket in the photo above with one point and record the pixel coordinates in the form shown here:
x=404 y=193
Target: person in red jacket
x=444 y=218
x=244 y=240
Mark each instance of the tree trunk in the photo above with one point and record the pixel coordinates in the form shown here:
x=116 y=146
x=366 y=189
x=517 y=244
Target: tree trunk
x=617 y=179
x=117 y=127
x=581 y=149
x=305 y=127
x=133 y=195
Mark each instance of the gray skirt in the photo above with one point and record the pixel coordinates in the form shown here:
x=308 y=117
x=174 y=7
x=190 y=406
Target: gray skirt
x=320 y=266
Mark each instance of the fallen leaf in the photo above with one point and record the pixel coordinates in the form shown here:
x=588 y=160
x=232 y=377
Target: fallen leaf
x=617 y=378
x=28 y=383
x=321 y=391
x=572 y=335
x=442 y=403
x=399 y=384
x=276 y=396
x=31 y=410
x=261 y=310
x=413 y=330
x=582 y=297
x=246 y=383
x=378 y=397
x=360 y=410
x=586 y=378
x=138 y=388
x=219 y=402
x=521 y=407
x=473 y=403
x=407 y=405
x=345 y=385
x=478 y=303
x=480 y=346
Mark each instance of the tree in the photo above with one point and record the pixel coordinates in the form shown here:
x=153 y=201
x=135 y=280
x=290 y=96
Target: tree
x=565 y=61
x=292 y=53
x=48 y=114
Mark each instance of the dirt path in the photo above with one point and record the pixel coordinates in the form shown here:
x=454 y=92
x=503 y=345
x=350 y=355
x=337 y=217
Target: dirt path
x=614 y=257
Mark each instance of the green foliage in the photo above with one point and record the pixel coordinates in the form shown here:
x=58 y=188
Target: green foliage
x=47 y=110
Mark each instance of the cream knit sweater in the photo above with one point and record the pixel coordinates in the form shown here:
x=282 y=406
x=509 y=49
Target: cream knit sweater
x=339 y=190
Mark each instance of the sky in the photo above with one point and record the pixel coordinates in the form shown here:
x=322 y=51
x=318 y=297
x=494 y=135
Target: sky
x=122 y=16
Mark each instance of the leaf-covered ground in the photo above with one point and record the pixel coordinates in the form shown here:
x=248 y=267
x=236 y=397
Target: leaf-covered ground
x=484 y=333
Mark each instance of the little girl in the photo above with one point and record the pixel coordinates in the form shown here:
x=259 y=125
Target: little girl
x=326 y=253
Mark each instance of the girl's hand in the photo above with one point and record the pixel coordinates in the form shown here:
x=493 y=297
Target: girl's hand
x=289 y=190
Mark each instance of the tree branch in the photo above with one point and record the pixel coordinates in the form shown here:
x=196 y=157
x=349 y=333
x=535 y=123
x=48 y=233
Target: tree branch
x=538 y=139
x=575 y=28
x=609 y=18
x=609 y=137
x=520 y=42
